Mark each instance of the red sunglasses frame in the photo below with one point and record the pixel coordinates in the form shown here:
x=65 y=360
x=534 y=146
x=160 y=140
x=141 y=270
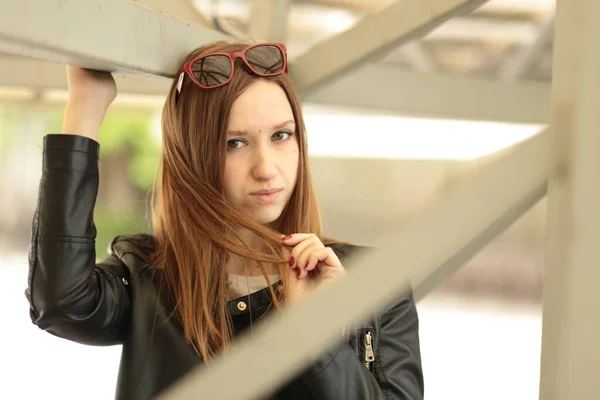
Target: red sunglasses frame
x=187 y=67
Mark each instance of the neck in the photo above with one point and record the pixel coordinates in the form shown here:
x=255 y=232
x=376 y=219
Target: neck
x=250 y=238
x=243 y=266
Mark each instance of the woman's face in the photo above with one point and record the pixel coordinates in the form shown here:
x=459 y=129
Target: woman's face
x=261 y=164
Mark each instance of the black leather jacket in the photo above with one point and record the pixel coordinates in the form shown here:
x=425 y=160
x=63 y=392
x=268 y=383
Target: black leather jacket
x=117 y=301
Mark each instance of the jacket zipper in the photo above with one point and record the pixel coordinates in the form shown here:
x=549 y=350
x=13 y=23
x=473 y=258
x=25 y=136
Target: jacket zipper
x=369 y=354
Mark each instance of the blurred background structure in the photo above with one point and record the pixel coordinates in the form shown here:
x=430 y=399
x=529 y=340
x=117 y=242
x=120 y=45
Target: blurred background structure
x=386 y=139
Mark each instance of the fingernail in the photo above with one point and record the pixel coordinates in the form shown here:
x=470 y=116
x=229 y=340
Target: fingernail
x=298 y=272
x=286 y=238
x=306 y=266
x=292 y=261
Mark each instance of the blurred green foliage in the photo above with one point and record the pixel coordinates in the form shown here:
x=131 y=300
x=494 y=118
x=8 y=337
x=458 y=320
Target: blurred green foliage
x=131 y=133
x=127 y=130
x=111 y=223
x=127 y=133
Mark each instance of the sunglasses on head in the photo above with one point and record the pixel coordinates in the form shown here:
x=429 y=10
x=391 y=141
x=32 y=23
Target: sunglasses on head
x=214 y=70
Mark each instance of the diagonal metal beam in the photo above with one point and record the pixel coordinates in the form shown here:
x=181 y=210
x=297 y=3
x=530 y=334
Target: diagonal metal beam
x=112 y=35
x=425 y=253
x=374 y=35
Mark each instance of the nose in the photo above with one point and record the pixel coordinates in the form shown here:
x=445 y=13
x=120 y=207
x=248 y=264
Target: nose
x=264 y=164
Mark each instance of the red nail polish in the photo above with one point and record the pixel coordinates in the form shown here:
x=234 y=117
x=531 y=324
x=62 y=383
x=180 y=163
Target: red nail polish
x=298 y=272
x=292 y=261
x=286 y=238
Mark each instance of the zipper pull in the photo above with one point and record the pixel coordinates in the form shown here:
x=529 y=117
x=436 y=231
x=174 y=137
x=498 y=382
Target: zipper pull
x=369 y=355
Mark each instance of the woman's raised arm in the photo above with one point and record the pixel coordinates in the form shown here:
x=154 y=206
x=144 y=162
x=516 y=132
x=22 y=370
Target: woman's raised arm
x=70 y=295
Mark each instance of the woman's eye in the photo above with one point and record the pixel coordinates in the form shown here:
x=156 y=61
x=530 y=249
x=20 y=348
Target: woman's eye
x=235 y=143
x=282 y=135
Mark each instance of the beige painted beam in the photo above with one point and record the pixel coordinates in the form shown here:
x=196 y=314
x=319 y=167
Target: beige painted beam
x=571 y=301
x=102 y=34
x=382 y=89
x=426 y=252
x=372 y=37
x=390 y=90
x=16 y=71
x=180 y=9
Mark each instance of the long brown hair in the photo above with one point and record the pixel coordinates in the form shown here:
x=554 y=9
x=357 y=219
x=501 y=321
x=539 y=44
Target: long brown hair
x=194 y=225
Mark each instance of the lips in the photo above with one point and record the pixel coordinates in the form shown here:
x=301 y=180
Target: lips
x=265 y=192
x=266 y=195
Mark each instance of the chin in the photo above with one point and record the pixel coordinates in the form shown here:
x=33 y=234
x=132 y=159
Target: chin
x=266 y=220
x=266 y=216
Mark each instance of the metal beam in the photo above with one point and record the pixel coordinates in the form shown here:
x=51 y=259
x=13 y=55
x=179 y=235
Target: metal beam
x=23 y=72
x=390 y=90
x=517 y=67
x=269 y=20
x=484 y=29
x=482 y=207
x=180 y=9
x=372 y=37
x=380 y=89
x=101 y=34
x=571 y=321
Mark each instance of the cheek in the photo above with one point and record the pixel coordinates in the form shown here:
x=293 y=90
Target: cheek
x=229 y=181
x=294 y=161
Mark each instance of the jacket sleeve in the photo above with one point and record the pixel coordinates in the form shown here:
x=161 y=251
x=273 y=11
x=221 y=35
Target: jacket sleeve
x=70 y=295
x=397 y=374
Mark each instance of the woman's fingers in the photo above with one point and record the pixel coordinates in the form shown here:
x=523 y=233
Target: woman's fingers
x=301 y=244
x=298 y=250
x=316 y=259
x=323 y=258
x=308 y=254
x=294 y=239
x=302 y=252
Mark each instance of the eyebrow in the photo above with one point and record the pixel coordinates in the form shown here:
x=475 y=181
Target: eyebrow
x=278 y=126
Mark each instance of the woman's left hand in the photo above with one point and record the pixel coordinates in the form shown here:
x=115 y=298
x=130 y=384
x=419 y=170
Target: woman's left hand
x=314 y=264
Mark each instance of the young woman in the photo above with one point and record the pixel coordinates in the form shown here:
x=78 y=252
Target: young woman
x=237 y=234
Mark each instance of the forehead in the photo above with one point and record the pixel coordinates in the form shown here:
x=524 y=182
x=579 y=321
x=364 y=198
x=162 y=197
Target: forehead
x=263 y=105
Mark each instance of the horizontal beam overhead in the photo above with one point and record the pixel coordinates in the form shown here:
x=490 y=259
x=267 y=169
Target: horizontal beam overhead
x=506 y=189
x=372 y=37
x=17 y=71
x=180 y=9
x=390 y=90
x=125 y=35
x=376 y=88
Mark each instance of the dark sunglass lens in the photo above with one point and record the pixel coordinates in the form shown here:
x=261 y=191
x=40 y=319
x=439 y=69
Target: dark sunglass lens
x=265 y=59
x=212 y=70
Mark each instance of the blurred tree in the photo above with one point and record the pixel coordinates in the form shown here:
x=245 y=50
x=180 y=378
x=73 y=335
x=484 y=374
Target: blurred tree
x=129 y=154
